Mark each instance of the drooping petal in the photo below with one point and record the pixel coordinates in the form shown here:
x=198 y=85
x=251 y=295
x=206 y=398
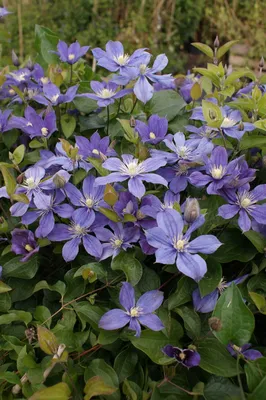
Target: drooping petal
x=252 y=354
x=191 y=265
x=135 y=326
x=192 y=358
x=150 y=301
x=244 y=221
x=127 y=296
x=136 y=187
x=114 y=319
x=206 y=244
x=46 y=225
x=92 y=246
x=206 y=303
x=169 y=350
x=151 y=321
x=143 y=89
x=70 y=249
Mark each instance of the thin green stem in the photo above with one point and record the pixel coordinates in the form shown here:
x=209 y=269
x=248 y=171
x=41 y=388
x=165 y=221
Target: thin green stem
x=134 y=105
x=242 y=393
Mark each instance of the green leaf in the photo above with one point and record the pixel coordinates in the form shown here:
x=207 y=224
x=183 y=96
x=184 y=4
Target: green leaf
x=130 y=134
x=191 y=320
x=24 y=270
x=149 y=280
x=259 y=392
x=232 y=250
x=99 y=367
x=132 y=390
x=131 y=267
x=224 y=48
x=212 y=278
x=219 y=388
x=5 y=302
x=204 y=48
x=110 y=214
x=208 y=74
x=10 y=137
x=196 y=91
x=15 y=315
x=216 y=359
x=248 y=142
x=60 y=391
x=212 y=114
x=47 y=340
x=45 y=41
x=41 y=314
x=18 y=154
x=239 y=74
x=85 y=105
x=261 y=124
x=96 y=386
x=59 y=287
x=10 y=377
x=257 y=239
x=125 y=364
x=166 y=103
x=259 y=301
x=4 y=287
x=89 y=313
x=236 y=318
x=97 y=163
x=182 y=295
x=255 y=372
x=91 y=271
x=10 y=182
x=68 y=124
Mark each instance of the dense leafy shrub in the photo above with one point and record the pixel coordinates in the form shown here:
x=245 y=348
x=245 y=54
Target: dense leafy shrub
x=133 y=227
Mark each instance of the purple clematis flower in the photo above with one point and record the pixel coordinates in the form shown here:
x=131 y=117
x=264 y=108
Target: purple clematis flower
x=105 y=93
x=120 y=239
x=204 y=131
x=219 y=171
x=174 y=246
x=178 y=175
x=47 y=205
x=114 y=58
x=23 y=242
x=89 y=201
x=4 y=122
x=136 y=313
x=52 y=95
x=155 y=206
x=72 y=53
x=133 y=170
x=95 y=147
x=36 y=125
x=244 y=351
x=79 y=231
x=154 y=132
x=187 y=357
x=186 y=86
x=245 y=203
x=4 y=12
x=232 y=124
x=19 y=77
x=143 y=89
x=207 y=303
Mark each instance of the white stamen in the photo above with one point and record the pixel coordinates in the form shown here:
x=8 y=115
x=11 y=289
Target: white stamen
x=152 y=135
x=105 y=93
x=71 y=57
x=142 y=68
x=95 y=151
x=44 y=131
x=228 y=123
x=44 y=80
x=122 y=59
x=54 y=98
x=217 y=172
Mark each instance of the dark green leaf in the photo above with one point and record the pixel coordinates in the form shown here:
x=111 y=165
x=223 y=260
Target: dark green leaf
x=166 y=103
x=125 y=364
x=233 y=244
x=131 y=267
x=17 y=269
x=211 y=280
x=219 y=388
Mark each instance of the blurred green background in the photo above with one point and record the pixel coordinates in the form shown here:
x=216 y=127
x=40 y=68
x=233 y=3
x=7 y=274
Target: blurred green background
x=164 y=26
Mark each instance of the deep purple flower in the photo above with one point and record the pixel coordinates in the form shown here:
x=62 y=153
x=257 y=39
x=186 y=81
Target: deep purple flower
x=244 y=351
x=245 y=203
x=174 y=246
x=95 y=147
x=153 y=132
x=79 y=231
x=23 y=242
x=133 y=170
x=207 y=303
x=52 y=95
x=120 y=238
x=72 y=53
x=143 y=89
x=105 y=93
x=140 y=312
x=187 y=357
x=114 y=58
x=36 y=125
x=46 y=206
x=4 y=122
x=89 y=201
x=4 y=12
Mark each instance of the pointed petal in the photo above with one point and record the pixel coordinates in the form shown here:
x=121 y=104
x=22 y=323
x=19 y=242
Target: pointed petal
x=206 y=244
x=114 y=319
x=136 y=187
x=151 y=321
x=127 y=296
x=191 y=265
x=92 y=246
x=150 y=301
x=71 y=249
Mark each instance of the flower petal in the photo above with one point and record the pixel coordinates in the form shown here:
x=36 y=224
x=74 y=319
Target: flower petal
x=151 y=321
x=150 y=301
x=228 y=211
x=244 y=221
x=157 y=238
x=127 y=296
x=191 y=265
x=71 y=249
x=135 y=326
x=171 y=223
x=92 y=246
x=114 y=319
x=136 y=187
x=206 y=244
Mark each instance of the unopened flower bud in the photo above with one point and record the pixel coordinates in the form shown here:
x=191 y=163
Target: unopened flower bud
x=215 y=324
x=261 y=63
x=212 y=114
x=264 y=161
x=15 y=59
x=59 y=181
x=216 y=42
x=20 y=178
x=241 y=126
x=30 y=64
x=192 y=210
x=132 y=122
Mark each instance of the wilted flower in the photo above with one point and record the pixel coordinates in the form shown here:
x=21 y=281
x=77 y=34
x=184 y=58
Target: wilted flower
x=174 y=246
x=105 y=93
x=244 y=351
x=72 y=53
x=187 y=357
x=133 y=170
x=140 y=312
x=23 y=242
x=154 y=132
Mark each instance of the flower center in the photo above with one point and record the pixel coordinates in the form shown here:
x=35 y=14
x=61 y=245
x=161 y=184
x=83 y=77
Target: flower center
x=140 y=215
x=28 y=247
x=182 y=151
x=217 y=172
x=89 y=202
x=132 y=168
x=44 y=80
x=116 y=243
x=44 y=131
x=54 y=98
x=182 y=356
x=71 y=57
x=79 y=230
x=122 y=59
x=11 y=91
x=180 y=244
x=105 y=93
x=30 y=182
x=245 y=202
x=95 y=151
x=142 y=68
x=135 y=312
x=228 y=123
x=152 y=135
